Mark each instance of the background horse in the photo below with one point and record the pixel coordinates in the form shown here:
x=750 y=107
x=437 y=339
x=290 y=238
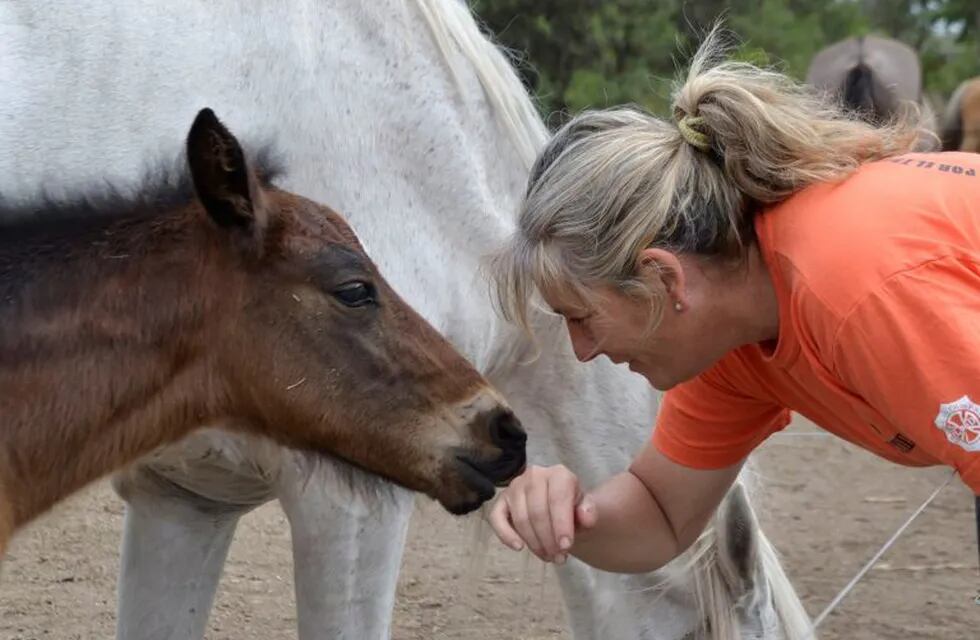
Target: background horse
x=872 y=75
x=126 y=322
x=961 y=124
x=875 y=77
x=401 y=114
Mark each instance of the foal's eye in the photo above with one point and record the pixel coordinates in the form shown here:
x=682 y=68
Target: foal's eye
x=355 y=294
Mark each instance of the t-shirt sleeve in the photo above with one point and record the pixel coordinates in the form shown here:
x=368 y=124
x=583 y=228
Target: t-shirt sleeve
x=911 y=350
x=709 y=423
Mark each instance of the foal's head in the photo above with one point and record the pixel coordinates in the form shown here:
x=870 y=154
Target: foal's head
x=317 y=351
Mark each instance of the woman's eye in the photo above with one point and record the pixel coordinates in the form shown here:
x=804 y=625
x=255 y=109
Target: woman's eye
x=355 y=294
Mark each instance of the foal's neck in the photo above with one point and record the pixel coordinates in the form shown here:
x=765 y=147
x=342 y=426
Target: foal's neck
x=102 y=328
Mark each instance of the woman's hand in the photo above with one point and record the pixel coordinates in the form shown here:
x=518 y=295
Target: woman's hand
x=542 y=508
x=633 y=522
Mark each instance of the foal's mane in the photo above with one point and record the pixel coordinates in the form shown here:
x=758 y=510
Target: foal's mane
x=163 y=187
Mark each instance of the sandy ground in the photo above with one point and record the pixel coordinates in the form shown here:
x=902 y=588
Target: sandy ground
x=826 y=505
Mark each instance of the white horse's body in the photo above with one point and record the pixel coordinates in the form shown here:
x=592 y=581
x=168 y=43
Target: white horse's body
x=401 y=116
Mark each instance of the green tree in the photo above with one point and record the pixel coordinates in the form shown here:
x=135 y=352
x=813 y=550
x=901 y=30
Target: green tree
x=582 y=53
x=575 y=54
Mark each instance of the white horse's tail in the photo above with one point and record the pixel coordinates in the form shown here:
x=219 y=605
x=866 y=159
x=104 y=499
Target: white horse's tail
x=740 y=587
x=456 y=32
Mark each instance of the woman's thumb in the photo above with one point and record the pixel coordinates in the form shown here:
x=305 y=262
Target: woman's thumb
x=585 y=513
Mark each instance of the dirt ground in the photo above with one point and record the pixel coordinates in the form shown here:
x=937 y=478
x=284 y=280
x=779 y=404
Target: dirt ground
x=826 y=505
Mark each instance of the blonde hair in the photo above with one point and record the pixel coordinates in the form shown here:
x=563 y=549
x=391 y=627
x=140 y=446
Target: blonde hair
x=611 y=183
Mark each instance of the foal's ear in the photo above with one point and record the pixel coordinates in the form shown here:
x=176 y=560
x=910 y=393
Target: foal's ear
x=222 y=178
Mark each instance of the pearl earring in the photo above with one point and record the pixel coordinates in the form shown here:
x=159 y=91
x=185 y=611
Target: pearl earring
x=678 y=307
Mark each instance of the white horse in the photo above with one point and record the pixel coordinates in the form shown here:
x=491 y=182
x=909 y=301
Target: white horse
x=403 y=116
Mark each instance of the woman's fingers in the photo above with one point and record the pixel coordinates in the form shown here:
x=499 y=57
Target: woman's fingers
x=500 y=521
x=585 y=513
x=540 y=509
x=539 y=513
x=563 y=492
x=521 y=521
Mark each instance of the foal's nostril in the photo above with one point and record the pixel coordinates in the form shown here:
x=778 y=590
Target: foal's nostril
x=506 y=431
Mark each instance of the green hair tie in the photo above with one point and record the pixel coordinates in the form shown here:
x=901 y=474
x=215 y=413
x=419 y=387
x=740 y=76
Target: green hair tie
x=688 y=128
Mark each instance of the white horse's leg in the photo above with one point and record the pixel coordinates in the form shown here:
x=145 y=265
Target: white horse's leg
x=174 y=548
x=182 y=506
x=348 y=533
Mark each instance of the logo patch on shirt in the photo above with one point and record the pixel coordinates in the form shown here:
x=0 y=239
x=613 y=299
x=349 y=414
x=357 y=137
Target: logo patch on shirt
x=902 y=443
x=960 y=421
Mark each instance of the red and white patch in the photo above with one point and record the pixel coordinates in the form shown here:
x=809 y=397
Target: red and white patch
x=960 y=421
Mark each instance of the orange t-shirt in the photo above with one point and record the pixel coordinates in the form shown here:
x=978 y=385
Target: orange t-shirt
x=878 y=282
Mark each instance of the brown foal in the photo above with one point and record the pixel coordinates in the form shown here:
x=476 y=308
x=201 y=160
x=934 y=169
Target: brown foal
x=216 y=298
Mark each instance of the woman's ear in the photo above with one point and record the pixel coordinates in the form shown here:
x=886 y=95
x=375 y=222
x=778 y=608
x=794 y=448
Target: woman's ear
x=662 y=269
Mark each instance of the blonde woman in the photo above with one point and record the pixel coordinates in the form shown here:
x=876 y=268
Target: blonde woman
x=760 y=253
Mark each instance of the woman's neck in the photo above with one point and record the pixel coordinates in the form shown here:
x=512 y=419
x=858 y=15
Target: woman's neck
x=746 y=300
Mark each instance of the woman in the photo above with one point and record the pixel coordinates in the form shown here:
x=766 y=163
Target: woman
x=764 y=252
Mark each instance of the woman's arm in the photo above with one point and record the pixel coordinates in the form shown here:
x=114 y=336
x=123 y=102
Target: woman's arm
x=636 y=521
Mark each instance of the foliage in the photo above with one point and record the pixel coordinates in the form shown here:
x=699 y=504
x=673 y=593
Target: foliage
x=576 y=54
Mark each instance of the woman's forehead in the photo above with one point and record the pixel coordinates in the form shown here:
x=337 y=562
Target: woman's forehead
x=568 y=300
